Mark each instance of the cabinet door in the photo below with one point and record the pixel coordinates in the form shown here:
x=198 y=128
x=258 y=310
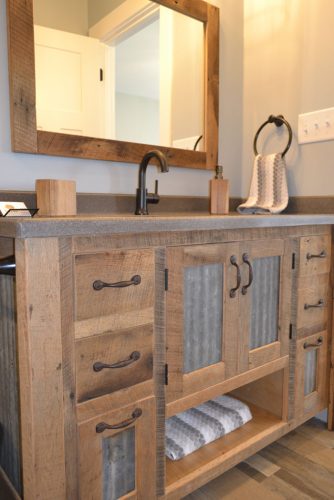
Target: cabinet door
x=311 y=375
x=265 y=301
x=202 y=316
x=117 y=454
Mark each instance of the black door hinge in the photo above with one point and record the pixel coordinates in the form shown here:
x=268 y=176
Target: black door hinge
x=166 y=279
x=290 y=331
x=101 y=75
x=293 y=262
x=166 y=374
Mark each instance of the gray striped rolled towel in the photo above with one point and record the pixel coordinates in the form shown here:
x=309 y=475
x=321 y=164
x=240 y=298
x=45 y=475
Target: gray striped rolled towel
x=190 y=430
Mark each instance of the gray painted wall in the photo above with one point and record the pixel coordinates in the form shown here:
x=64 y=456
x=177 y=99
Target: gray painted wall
x=289 y=69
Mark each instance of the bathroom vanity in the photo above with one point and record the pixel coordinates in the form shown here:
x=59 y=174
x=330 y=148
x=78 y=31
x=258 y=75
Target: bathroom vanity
x=113 y=324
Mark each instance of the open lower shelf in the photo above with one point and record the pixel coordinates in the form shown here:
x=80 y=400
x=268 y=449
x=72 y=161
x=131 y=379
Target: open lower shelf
x=194 y=470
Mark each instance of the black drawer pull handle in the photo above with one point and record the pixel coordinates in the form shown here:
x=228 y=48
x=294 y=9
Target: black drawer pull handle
x=134 y=356
x=318 y=343
x=320 y=304
x=320 y=255
x=102 y=426
x=233 y=291
x=135 y=280
x=250 y=279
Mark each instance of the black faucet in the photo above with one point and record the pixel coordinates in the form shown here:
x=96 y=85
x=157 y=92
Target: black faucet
x=142 y=196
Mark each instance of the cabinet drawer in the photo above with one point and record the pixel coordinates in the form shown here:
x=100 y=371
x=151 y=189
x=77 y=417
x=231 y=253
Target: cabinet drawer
x=315 y=253
x=117 y=267
x=311 y=375
x=313 y=299
x=117 y=454
x=128 y=355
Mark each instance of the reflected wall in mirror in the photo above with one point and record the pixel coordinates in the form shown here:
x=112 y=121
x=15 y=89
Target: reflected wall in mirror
x=111 y=79
x=135 y=73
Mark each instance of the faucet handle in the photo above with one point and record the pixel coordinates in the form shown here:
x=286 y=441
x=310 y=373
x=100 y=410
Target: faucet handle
x=153 y=197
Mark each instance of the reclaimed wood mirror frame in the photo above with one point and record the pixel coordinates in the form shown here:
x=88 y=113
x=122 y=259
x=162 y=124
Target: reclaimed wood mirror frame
x=27 y=139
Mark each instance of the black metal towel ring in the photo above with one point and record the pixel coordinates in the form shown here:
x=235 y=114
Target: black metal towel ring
x=278 y=120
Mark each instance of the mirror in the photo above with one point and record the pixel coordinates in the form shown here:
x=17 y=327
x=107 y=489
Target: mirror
x=134 y=73
x=47 y=120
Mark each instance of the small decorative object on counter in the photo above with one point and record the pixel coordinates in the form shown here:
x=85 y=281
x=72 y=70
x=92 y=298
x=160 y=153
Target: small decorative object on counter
x=56 y=197
x=219 y=193
x=16 y=209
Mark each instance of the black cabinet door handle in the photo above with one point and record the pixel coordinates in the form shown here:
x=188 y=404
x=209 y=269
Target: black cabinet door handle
x=320 y=255
x=318 y=343
x=134 y=356
x=320 y=304
x=234 y=263
x=250 y=278
x=98 y=284
x=102 y=426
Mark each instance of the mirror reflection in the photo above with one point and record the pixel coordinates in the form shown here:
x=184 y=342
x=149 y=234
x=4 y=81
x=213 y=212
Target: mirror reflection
x=129 y=70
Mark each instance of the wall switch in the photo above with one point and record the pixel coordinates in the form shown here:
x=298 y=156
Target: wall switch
x=316 y=126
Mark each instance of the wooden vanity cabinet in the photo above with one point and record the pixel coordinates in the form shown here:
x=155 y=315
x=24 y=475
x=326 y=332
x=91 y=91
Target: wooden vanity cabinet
x=101 y=365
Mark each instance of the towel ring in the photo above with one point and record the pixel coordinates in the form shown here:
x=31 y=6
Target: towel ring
x=278 y=120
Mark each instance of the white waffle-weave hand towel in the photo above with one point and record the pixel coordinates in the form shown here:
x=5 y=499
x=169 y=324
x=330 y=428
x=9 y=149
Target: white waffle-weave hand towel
x=268 y=191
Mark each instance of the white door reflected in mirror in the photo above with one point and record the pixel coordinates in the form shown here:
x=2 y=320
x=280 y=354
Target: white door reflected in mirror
x=137 y=77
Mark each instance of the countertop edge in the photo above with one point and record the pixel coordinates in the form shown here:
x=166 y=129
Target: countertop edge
x=99 y=225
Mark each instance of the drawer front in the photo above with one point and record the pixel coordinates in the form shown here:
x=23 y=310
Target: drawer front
x=315 y=255
x=313 y=300
x=112 y=361
x=117 y=454
x=311 y=375
x=116 y=267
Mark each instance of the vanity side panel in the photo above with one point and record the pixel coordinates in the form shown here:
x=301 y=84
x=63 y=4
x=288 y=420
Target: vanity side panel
x=10 y=449
x=40 y=368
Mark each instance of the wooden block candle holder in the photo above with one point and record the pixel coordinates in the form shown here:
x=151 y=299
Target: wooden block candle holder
x=56 y=197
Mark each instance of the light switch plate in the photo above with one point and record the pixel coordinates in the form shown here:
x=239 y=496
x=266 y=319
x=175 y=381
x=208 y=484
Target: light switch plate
x=316 y=126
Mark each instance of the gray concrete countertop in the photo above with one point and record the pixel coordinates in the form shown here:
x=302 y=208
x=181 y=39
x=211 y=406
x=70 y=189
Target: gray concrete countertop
x=97 y=224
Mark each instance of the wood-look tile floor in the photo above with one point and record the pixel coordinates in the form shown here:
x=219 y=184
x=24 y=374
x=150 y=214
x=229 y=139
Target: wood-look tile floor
x=298 y=466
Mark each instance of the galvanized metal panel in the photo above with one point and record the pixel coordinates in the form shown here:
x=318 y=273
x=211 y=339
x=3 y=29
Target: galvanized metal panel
x=264 y=301
x=10 y=449
x=310 y=373
x=203 y=313
x=119 y=464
